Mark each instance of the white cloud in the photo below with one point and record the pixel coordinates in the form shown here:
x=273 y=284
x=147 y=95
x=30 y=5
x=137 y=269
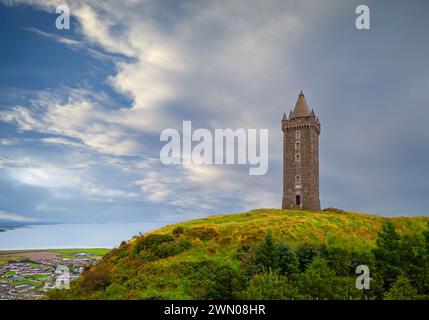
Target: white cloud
x=222 y=64
x=9 y=216
x=81 y=118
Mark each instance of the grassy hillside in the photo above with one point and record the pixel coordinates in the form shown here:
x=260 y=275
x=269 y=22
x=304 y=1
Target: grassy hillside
x=173 y=262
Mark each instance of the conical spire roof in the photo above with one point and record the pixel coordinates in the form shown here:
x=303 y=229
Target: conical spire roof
x=301 y=107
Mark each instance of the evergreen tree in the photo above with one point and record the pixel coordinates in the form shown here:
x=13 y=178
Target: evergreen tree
x=401 y=290
x=271 y=255
x=320 y=282
x=414 y=262
x=267 y=254
x=288 y=261
x=426 y=235
x=387 y=255
x=269 y=285
x=306 y=253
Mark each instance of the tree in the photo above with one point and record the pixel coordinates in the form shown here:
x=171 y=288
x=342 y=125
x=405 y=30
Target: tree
x=414 y=261
x=401 y=290
x=387 y=255
x=340 y=260
x=320 y=282
x=269 y=285
x=306 y=253
x=288 y=261
x=266 y=254
x=426 y=236
x=271 y=255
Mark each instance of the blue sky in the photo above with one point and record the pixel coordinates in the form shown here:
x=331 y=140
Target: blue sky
x=81 y=110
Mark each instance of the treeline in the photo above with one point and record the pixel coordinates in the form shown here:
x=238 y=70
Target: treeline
x=399 y=269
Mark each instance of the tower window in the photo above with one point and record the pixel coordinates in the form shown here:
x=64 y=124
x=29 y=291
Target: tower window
x=297 y=157
x=298 y=134
x=298 y=180
x=297 y=145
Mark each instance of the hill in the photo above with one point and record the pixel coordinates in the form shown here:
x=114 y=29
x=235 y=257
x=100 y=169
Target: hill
x=211 y=257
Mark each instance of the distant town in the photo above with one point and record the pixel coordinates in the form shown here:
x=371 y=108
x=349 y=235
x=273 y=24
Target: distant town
x=29 y=275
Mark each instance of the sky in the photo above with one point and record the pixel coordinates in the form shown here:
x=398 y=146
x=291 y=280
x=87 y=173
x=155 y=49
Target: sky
x=81 y=110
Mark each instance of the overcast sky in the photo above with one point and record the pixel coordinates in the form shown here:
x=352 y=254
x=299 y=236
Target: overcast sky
x=81 y=110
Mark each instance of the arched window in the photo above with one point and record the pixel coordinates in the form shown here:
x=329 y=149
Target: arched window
x=297 y=145
x=298 y=134
x=298 y=180
x=297 y=157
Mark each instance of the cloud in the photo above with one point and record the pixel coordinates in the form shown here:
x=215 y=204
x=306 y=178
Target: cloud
x=74 y=44
x=9 y=216
x=237 y=64
x=80 y=117
x=215 y=63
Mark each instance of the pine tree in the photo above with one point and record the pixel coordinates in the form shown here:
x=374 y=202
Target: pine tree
x=387 y=255
x=401 y=290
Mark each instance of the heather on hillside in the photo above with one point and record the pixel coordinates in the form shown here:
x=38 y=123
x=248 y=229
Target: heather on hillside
x=266 y=254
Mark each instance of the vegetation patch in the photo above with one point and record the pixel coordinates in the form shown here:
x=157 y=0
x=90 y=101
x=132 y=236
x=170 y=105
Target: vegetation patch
x=266 y=254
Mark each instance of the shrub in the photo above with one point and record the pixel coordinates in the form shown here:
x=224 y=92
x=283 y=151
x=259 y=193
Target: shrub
x=151 y=240
x=288 y=261
x=116 y=292
x=97 y=278
x=339 y=260
x=209 y=280
x=387 y=255
x=401 y=290
x=170 y=249
x=414 y=262
x=269 y=285
x=336 y=210
x=306 y=253
x=178 y=231
x=202 y=233
x=269 y=255
x=211 y=250
x=320 y=282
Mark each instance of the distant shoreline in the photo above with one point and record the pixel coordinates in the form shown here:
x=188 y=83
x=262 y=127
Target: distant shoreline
x=70 y=236
x=38 y=254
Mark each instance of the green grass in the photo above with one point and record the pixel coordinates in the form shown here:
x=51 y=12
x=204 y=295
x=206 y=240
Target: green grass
x=4 y=254
x=68 y=253
x=20 y=282
x=38 y=276
x=219 y=238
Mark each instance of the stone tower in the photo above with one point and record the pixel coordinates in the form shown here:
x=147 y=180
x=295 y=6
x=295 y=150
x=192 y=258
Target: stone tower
x=301 y=158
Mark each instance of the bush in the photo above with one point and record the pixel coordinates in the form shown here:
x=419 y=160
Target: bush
x=178 y=231
x=209 y=280
x=336 y=210
x=151 y=240
x=387 y=255
x=339 y=260
x=269 y=285
x=306 y=253
x=170 y=249
x=96 y=278
x=320 y=282
x=202 y=233
x=269 y=255
x=288 y=261
x=401 y=290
